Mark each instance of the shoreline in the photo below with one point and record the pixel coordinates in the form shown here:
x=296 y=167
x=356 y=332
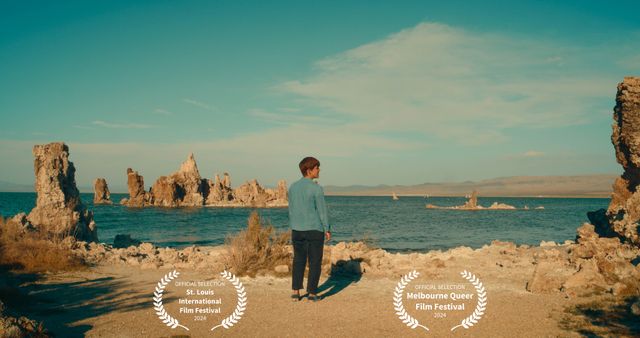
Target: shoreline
x=354 y=276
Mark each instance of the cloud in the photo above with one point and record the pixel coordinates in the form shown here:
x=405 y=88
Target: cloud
x=82 y=127
x=533 y=153
x=289 y=109
x=121 y=125
x=198 y=104
x=291 y=118
x=162 y=112
x=452 y=85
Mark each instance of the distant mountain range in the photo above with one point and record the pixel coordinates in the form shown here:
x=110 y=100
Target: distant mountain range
x=12 y=187
x=552 y=186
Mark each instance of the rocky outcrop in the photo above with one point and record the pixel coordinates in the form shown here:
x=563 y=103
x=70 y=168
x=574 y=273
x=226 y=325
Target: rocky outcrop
x=184 y=188
x=252 y=194
x=20 y=326
x=607 y=250
x=101 y=194
x=603 y=263
x=623 y=213
x=282 y=192
x=59 y=209
x=472 y=204
x=138 y=197
x=593 y=265
x=132 y=253
x=219 y=192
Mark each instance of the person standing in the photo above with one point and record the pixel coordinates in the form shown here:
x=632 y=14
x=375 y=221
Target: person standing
x=309 y=221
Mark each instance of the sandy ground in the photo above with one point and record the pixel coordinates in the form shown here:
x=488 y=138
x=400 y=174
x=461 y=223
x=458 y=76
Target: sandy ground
x=116 y=301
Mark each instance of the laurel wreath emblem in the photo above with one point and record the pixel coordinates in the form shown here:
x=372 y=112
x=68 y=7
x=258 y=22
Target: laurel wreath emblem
x=482 y=301
x=241 y=305
x=157 y=301
x=397 y=301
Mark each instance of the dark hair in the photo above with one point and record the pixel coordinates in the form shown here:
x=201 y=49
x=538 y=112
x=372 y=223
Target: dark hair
x=308 y=163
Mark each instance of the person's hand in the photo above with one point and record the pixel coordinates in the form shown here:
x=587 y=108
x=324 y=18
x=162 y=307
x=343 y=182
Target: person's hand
x=328 y=235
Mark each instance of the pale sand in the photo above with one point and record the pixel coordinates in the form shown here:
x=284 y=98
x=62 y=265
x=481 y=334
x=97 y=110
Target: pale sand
x=116 y=301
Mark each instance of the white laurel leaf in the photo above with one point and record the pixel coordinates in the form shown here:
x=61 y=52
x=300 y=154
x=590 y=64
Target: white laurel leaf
x=241 y=303
x=402 y=314
x=159 y=307
x=481 y=304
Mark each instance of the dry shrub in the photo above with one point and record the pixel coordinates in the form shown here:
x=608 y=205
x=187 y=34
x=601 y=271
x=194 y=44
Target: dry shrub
x=258 y=249
x=34 y=251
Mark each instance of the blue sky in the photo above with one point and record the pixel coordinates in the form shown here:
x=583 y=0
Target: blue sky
x=381 y=92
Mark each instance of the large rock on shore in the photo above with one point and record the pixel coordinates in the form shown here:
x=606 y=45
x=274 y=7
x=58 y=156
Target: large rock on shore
x=101 y=194
x=59 y=209
x=623 y=213
x=605 y=256
x=604 y=263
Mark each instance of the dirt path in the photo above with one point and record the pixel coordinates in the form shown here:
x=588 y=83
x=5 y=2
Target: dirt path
x=116 y=301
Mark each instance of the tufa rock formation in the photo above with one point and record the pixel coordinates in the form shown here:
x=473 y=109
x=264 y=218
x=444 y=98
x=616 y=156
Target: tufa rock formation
x=472 y=204
x=101 y=194
x=59 y=209
x=186 y=188
x=623 y=213
x=251 y=193
x=138 y=197
x=219 y=192
x=606 y=255
x=593 y=265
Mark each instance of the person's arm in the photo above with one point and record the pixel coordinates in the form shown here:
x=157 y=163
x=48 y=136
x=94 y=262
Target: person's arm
x=321 y=206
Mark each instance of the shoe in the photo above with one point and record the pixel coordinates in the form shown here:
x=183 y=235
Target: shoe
x=295 y=297
x=314 y=298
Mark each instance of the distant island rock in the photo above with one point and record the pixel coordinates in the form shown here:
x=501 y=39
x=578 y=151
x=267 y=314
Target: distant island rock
x=186 y=188
x=472 y=204
x=101 y=194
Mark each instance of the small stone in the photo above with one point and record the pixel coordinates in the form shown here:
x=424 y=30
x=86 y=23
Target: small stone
x=635 y=308
x=281 y=269
x=124 y=241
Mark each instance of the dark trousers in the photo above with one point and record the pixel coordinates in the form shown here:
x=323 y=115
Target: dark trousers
x=307 y=245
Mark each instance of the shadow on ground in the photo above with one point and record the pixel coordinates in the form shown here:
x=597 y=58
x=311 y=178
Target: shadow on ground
x=343 y=273
x=61 y=305
x=604 y=318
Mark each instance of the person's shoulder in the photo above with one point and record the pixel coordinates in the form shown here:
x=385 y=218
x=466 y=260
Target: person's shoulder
x=317 y=187
x=295 y=184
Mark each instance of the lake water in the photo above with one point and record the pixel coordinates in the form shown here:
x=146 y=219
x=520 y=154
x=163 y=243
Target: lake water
x=393 y=225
